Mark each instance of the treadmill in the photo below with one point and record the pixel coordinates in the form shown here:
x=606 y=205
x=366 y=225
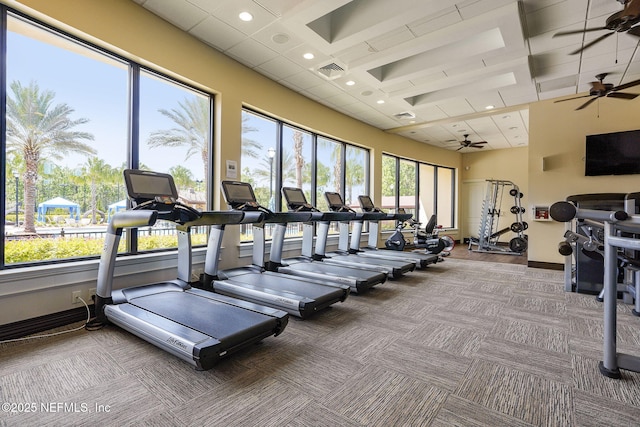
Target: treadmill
x=308 y=264
x=297 y=296
x=394 y=268
x=421 y=260
x=196 y=326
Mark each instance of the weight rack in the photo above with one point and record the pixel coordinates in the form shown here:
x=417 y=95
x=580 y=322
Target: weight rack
x=489 y=232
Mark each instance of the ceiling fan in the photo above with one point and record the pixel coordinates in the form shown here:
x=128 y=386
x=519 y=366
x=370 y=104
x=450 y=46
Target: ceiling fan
x=600 y=89
x=619 y=22
x=466 y=143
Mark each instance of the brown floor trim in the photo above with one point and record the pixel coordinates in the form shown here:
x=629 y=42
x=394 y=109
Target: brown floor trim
x=546 y=265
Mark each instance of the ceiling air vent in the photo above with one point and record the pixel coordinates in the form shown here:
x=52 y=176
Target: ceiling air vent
x=332 y=70
x=405 y=115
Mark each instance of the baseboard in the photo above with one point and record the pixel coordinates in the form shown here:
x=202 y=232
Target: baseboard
x=546 y=265
x=43 y=323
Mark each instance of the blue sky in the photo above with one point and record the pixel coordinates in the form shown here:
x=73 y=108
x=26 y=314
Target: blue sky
x=97 y=90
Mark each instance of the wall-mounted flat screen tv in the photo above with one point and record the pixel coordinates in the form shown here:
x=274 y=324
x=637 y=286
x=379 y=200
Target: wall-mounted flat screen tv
x=615 y=153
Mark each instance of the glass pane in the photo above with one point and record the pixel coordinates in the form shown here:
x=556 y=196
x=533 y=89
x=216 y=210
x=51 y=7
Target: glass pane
x=388 y=189
x=445 y=197
x=407 y=186
x=328 y=170
x=174 y=138
x=258 y=162
x=356 y=175
x=65 y=180
x=297 y=151
x=427 y=197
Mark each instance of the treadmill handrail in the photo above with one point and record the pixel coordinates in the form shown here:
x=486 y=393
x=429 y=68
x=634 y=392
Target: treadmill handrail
x=132 y=219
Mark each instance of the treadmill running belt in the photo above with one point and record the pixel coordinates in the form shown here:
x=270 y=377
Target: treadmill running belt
x=224 y=322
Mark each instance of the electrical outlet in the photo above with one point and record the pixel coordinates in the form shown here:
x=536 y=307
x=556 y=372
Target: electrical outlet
x=92 y=295
x=75 y=297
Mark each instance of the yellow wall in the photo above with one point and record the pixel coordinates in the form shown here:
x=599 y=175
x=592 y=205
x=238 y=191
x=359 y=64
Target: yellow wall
x=557 y=135
x=556 y=131
x=508 y=165
x=126 y=28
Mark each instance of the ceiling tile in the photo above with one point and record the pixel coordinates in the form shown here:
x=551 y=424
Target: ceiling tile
x=442 y=60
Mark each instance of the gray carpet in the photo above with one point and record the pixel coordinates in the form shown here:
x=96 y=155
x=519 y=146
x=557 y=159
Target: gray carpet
x=464 y=343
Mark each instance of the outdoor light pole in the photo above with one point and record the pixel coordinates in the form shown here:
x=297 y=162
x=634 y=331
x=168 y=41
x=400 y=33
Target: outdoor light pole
x=16 y=176
x=272 y=152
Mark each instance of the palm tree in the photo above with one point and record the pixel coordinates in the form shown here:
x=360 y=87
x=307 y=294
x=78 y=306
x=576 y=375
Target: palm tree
x=298 y=142
x=97 y=171
x=37 y=128
x=250 y=147
x=182 y=176
x=193 y=121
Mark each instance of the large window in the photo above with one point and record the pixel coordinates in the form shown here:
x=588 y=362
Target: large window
x=276 y=154
x=424 y=189
x=76 y=117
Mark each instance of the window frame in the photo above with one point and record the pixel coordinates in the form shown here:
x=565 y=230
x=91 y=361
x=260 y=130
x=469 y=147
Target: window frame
x=435 y=189
x=131 y=159
x=314 y=156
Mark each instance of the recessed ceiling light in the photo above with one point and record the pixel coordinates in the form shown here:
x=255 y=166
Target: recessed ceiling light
x=489 y=107
x=245 y=16
x=308 y=55
x=350 y=83
x=380 y=101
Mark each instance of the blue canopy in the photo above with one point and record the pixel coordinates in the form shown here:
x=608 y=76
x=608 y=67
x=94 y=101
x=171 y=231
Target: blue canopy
x=116 y=207
x=58 y=202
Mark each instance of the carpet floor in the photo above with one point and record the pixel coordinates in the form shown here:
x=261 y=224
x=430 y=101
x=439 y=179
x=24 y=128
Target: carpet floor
x=462 y=343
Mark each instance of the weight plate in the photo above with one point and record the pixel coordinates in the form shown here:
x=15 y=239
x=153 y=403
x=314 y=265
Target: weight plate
x=517 y=227
x=514 y=210
x=513 y=191
x=518 y=244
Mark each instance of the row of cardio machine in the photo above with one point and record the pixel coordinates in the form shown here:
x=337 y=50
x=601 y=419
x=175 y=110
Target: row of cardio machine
x=224 y=311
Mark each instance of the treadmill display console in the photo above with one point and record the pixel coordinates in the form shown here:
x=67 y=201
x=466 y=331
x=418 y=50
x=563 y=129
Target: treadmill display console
x=366 y=204
x=335 y=202
x=295 y=198
x=146 y=185
x=240 y=195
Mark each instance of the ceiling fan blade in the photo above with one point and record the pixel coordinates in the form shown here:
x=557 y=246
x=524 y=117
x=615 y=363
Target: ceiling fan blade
x=461 y=148
x=622 y=95
x=575 y=97
x=591 y=43
x=479 y=143
x=567 y=33
x=626 y=85
x=477 y=146
x=586 y=104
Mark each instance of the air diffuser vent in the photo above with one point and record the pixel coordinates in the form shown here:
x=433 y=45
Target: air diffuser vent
x=405 y=115
x=332 y=70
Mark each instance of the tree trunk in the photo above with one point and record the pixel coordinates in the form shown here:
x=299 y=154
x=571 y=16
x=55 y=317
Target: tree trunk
x=30 y=179
x=297 y=149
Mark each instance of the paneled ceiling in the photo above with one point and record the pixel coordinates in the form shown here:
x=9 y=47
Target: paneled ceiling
x=430 y=70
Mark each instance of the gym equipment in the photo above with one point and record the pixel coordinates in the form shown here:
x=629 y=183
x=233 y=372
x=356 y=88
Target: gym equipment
x=489 y=233
x=394 y=268
x=620 y=231
x=196 y=326
x=298 y=297
x=427 y=239
x=312 y=263
x=584 y=269
x=371 y=250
